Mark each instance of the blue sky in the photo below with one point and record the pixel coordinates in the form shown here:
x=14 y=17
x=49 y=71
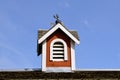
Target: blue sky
x=97 y=22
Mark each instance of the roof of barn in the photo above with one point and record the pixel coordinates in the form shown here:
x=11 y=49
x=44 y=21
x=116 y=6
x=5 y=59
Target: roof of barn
x=6 y=75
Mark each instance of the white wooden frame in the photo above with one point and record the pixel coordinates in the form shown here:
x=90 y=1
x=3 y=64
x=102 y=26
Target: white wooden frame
x=73 y=55
x=65 y=49
x=44 y=56
x=58 y=69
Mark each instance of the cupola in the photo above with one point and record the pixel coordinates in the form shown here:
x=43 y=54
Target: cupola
x=57 y=47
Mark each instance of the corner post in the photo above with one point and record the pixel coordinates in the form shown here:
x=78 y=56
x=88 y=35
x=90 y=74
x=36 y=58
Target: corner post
x=72 y=56
x=44 y=56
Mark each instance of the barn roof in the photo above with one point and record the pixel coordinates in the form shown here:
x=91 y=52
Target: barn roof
x=82 y=75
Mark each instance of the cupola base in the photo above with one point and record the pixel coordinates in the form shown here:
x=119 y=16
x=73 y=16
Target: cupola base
x=58 y=69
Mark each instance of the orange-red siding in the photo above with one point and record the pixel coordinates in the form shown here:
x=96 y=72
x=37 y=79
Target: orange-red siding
x=58 y=34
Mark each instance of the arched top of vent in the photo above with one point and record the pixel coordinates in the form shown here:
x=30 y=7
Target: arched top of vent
x=58 y=50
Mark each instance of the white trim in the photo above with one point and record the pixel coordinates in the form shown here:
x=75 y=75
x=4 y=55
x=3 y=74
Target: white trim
x=97 y=69
x=54 y=29
x=58 y=69
x=44 y=56
x=65 y=49
x=72 y=55
x=38 y=69
x=20 y=69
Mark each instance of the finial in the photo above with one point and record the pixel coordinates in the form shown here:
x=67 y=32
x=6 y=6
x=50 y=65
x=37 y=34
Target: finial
x=57 y=19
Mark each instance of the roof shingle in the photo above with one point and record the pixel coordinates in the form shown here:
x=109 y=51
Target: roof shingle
x=43 y=32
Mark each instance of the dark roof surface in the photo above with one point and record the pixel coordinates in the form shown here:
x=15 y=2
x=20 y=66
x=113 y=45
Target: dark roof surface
x=92 y=75
x=43 y=32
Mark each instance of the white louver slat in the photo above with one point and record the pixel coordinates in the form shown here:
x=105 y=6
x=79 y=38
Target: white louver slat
x=58 y=51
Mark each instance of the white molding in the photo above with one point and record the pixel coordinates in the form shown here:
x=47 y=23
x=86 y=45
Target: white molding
x=98 y=69
x=65 y=49
x=54 y=29
x=38 y=69
x=58 y=69
x=44 y=56
x=72 y=55
x=20 y=69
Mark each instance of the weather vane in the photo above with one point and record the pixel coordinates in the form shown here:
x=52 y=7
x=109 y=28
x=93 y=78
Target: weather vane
x=57 y=19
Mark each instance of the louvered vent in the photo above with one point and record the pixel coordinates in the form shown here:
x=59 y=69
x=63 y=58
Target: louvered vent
x=58 y=51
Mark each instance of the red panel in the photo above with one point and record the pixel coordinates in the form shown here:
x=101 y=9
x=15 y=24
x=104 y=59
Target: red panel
x=58 y=34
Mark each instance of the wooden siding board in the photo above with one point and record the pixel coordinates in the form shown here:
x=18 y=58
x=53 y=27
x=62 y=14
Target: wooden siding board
x=58 y=34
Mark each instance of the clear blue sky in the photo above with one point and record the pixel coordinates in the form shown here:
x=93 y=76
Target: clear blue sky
x=97 y=22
